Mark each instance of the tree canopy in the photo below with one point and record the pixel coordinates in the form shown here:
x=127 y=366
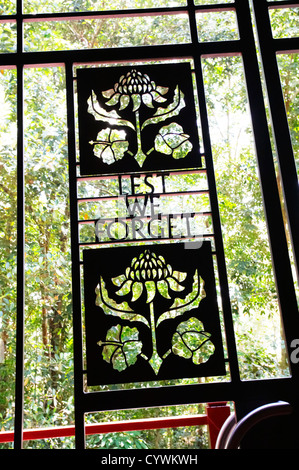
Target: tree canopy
x=48 y=307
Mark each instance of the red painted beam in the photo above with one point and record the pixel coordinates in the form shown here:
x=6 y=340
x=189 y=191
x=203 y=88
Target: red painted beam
x=214 y=419
x=101 y=428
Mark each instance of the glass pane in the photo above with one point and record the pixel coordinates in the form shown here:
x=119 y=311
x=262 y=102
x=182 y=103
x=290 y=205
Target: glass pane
x=7 y=7
x=8 y=245
x=48 y=327
x=106 y=32
x=284 y=22
x=254 y=300
x=195 y=437
x=60 y=6
x=8 y=37
x=217 y=26
x=288 y=66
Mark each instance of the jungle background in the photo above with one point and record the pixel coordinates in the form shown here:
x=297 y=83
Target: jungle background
x=48 y=298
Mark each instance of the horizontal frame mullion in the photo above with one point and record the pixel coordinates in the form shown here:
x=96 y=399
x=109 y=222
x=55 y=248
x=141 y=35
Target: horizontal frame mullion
x=141 y=195
x=283 y=4
x=107 y=14
x=61 y=16
x=284 y=45
x=76 y=57
x=143 y=217
x=268 y=390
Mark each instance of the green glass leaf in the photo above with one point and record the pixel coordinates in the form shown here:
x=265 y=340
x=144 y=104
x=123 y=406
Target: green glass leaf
x=136 y=102
x=192 y=341
x=125 y=288
x=192 y=300
x=108 y=93
x=174 y=284
x=121 y=347
x=172 y=110
x=111 y=145
x=114 y=100
x=171 y=140
x=163 y=288
x=100 y=114
x=137 y=289
x=110 y=307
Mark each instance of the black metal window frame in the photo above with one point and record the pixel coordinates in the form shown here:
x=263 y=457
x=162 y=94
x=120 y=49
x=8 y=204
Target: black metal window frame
x=235 y=390
x=269 y=48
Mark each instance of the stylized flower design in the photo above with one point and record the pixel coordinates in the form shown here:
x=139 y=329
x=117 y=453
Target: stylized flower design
x=151 y=272
x=110 y=145
x=136 y=86
x=121 y=347
x=172 y=140
x=147 y=276
x=192 y=341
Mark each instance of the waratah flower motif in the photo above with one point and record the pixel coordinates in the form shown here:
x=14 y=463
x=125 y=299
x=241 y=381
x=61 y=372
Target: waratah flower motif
x=149 y=272
x=136 y=86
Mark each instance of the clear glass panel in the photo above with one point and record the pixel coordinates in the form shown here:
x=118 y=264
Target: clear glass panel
x=284 y=22
x=260 y=343
x=60 y=6
x=106 y=33
x=288 y=67
x=48 y=326
x=7 y=7
x=8 y=245
x=217 y=26
x=8 y=37
x=195 y=437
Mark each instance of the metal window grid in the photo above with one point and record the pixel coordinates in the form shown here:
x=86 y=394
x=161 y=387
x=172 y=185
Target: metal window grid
x=235 y=390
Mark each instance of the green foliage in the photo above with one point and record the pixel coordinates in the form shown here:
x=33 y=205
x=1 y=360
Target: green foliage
x=48 y=314
x=284 y=22
x=7 y=7
x=240 y=200
x=119 y=440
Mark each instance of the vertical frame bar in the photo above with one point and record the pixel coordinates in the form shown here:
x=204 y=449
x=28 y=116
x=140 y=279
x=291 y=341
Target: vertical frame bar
x=76 y=282
x=223 y=280
x=20 y=326
x=279 y=120
x=276 y=233
x=19 y=387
